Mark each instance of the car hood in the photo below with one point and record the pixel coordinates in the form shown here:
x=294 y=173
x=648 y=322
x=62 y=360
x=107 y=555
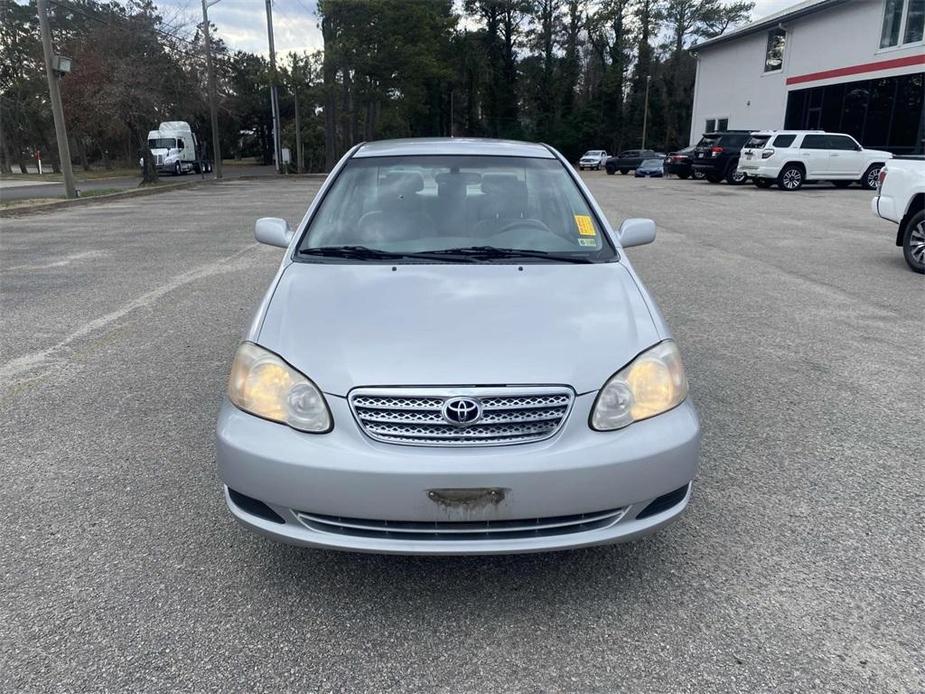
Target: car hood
x=346 y=326
x=879 y=153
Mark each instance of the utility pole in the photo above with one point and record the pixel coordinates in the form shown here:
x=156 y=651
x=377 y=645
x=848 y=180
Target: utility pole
x=645 y=113
x=213 y=113
x=298 y=131
x=53 y=67
x=274 y=97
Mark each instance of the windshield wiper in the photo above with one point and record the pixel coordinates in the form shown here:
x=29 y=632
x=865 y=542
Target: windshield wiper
x=470 y=254
x=352 y=252
x=493 y=252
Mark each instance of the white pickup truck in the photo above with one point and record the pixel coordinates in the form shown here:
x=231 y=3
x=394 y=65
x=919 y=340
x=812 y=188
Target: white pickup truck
x=901 y=199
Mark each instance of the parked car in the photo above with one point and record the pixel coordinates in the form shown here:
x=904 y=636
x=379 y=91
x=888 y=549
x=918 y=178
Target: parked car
x=791 y=158
x=679 y=164
x=652 y=168
x=628 y=161
x=412 y=381
x=901 y=198
x=716 y=156
x=593 y=159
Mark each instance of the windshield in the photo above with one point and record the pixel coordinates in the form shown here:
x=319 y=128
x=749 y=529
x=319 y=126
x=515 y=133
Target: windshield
x=427 y=204
x=651 y=163
x=162 y=143
x=593 y=153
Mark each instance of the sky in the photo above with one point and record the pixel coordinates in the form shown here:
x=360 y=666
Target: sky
x=242 y=24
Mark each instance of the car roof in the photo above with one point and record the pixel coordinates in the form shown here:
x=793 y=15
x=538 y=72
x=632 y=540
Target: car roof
x=424 y=146
x=793 y=132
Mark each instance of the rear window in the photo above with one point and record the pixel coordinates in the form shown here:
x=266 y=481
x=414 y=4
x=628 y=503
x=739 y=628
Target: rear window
x=784 y=140
x=709 y=140
x=757 y=141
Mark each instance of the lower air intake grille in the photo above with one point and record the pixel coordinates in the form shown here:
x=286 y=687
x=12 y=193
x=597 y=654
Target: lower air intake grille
x=498 y=416
x=461 y=530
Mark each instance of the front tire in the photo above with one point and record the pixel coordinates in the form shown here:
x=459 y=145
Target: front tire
x=790 y=177
x=869 y=179
x=611 y=172
x=698 y=175
x=177 y=169
x=914 y=242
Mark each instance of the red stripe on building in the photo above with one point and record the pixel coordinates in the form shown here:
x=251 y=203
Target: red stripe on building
x=858 y=69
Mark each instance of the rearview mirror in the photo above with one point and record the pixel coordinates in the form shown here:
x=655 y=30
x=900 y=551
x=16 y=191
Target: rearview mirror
x=273 y=231
x=636 y=232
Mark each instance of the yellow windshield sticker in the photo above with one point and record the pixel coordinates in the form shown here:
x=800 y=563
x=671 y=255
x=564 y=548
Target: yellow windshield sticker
x=585 y=225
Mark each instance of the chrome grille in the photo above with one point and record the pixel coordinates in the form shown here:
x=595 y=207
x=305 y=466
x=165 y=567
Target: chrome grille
x=415 y=416
x=461 y=530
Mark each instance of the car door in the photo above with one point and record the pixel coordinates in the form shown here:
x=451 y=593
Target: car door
x=846 y=160
x=814 y=153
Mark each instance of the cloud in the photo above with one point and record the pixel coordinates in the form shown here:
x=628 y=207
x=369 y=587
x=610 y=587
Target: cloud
x=242 y=24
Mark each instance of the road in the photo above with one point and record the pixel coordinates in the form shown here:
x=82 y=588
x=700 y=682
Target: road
x=799 y=566
x=11 y=189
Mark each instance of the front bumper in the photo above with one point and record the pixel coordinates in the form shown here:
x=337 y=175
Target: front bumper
x=346 y=474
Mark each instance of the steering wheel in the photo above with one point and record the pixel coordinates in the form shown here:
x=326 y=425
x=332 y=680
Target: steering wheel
x=524 y=223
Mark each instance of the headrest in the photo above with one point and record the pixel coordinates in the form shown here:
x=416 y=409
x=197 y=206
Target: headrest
x=402 y=183
x=502 y=184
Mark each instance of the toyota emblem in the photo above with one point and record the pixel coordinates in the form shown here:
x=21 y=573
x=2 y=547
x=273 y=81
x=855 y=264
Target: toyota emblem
x=462 y=411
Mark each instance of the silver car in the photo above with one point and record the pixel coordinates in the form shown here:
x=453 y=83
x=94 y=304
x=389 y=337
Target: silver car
x=456 y=357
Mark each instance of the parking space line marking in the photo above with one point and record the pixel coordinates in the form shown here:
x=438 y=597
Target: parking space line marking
x=33 y=360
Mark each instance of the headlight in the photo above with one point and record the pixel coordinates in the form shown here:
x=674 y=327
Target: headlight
x=264 y=385
x=654 y=382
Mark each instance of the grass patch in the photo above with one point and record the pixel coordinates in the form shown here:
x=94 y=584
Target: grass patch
x=79 y=174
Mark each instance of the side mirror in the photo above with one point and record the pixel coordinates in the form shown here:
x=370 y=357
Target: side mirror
x=273 y=231
x=636 y=232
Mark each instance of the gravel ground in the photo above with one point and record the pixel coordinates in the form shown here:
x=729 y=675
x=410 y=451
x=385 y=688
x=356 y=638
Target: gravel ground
x=798 y=567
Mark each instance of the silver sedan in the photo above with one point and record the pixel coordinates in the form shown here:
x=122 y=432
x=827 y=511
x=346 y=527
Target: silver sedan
x=456 y=357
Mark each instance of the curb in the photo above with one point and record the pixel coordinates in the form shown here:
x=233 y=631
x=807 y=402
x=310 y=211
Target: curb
x=79 y=202
x=135 y=193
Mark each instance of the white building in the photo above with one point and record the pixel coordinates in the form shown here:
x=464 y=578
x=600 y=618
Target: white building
x=853 y=66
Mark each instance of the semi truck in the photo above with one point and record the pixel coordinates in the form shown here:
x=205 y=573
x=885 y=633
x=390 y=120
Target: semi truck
x=176 y=150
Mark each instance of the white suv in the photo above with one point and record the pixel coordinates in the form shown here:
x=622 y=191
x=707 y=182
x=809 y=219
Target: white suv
x=593 y=159
x=793 y=157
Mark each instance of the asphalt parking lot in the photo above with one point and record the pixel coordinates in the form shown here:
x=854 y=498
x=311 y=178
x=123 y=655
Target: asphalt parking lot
x=800 y=565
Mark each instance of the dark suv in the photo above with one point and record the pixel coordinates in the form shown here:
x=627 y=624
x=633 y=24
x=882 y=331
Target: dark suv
x=716 y=156
x=629 y=160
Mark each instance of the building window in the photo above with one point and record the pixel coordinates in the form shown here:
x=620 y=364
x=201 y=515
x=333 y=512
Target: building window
x=711 y=125
x=774 y=57
x=722 y=125
x=886 y=113
x=902 y=18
